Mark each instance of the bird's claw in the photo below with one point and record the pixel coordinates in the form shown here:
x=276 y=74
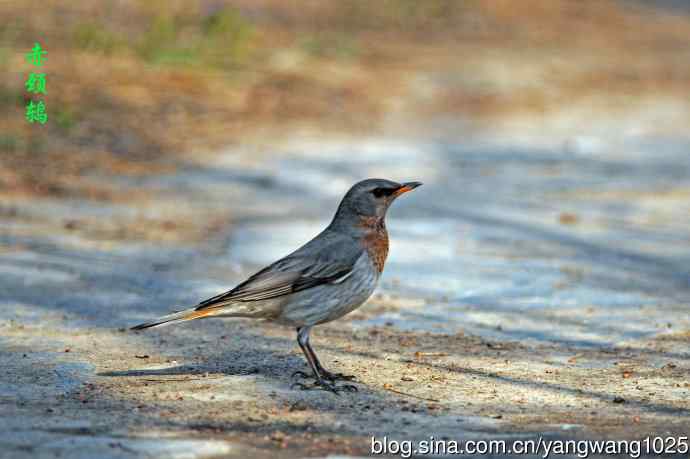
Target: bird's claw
x=300 y=386
x=337 y=376
x=323 y=385
x=326 y=375
x=349 y=388
x=301 y=374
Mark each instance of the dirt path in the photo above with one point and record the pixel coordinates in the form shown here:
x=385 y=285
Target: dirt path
x=525 y=320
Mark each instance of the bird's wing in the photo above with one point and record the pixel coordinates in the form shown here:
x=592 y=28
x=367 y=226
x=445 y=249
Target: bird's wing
x=289 y=275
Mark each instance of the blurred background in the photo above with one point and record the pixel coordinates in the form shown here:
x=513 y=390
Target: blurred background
x=191 y=142
x=136 y=85
x=552 y=135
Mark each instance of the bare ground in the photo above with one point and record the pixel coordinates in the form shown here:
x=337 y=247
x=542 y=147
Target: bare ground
x=77 y=383
x=563 y=243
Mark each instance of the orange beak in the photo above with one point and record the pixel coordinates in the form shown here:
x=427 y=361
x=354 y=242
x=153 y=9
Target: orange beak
x=409 y=186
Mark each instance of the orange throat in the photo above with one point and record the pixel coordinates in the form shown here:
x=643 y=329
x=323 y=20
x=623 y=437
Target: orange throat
x=375 y=240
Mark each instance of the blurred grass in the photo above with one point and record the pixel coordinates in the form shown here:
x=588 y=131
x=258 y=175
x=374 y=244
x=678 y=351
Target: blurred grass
x=227 y=39
x=221 y=39
x=135 y=85
x=65 y=117
x=330 y=45
x=161 y=43
x=96 y=38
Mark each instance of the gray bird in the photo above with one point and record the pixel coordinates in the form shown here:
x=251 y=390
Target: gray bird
x=326 y=278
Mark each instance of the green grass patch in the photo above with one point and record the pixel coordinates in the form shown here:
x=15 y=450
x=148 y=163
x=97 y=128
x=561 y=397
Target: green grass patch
x=227 y=38
x=159 y=44
x=65 y=118
x=407 y=15
x=222 y=39
x=96 y=38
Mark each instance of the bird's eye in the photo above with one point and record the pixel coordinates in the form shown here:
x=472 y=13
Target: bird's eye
x=380 y=192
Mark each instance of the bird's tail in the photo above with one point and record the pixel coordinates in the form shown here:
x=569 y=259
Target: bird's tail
x=176 y=317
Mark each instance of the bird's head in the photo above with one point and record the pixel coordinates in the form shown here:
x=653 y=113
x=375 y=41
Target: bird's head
x=370 y=198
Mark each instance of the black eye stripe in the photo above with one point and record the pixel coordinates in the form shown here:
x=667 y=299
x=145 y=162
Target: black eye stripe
x=380 y=192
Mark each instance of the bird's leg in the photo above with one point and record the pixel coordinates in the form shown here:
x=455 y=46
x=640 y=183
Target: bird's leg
x=303 y=341
x=319 y=368
x=302 y=338
x=325 y=373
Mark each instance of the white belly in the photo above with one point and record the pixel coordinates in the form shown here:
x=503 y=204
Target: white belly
x=328 y=302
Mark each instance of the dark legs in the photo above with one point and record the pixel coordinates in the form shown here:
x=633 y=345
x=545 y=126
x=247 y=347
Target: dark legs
x=320 y=373
x=303 y=341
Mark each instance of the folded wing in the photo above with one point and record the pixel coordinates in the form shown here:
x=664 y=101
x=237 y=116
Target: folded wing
x=287 y=276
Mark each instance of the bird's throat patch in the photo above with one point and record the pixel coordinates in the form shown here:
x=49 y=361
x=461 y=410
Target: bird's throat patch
x=375 y=240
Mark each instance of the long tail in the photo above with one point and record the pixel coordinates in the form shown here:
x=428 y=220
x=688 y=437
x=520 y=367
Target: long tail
x=176 y=317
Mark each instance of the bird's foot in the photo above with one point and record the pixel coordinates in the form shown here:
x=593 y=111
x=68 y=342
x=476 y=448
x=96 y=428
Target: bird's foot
x=323 y=385
x=326 y=375
x=336 y=376
x=301 y=374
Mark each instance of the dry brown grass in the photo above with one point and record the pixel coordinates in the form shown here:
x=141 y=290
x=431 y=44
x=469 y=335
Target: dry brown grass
x=134 y=85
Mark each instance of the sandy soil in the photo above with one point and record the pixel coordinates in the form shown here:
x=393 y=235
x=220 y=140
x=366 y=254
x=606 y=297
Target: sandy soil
x=76 y=273
x=538 y=284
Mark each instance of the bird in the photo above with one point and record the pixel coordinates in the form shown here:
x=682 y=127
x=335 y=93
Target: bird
x=328 y=277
